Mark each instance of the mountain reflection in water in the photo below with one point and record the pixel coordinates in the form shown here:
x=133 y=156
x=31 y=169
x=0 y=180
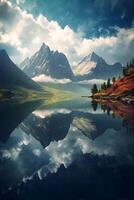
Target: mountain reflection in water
x=81 y=149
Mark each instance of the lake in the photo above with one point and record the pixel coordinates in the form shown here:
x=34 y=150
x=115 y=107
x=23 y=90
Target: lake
x=75 y=149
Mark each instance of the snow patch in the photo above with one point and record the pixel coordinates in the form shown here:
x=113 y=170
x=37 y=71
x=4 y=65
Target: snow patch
x=84 y=68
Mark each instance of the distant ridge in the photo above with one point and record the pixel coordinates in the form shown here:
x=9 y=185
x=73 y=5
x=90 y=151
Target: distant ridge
x=56 y=65
x=93 y=66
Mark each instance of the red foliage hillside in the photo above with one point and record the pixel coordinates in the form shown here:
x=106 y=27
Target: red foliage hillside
x=122 y=86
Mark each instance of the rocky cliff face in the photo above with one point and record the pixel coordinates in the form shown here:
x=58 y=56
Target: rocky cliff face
x=95 y=67
x=56 y=65
x=50 y=63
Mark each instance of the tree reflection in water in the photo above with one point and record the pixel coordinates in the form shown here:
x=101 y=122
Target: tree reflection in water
x=117 y=109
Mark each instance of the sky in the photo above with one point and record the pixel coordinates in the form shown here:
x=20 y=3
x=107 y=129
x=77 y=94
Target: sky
x=74 y=27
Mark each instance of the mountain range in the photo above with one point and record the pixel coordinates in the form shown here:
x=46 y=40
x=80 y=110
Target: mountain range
x=56 y=65
x=55 y=126
x=12 y=76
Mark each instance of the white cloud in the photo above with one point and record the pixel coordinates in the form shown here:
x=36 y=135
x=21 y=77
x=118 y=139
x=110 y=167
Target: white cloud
x=93 y=81
x=11 y=154
x=64 y=151
x=44 y=78
x=47 y=113
x=20 y=1
x=26 y=33
x=37 y=152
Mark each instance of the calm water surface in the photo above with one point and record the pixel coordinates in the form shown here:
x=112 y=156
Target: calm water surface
x=73 y=150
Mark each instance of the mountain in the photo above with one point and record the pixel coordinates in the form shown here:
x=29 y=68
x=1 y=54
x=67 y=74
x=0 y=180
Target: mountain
x=50 y=128
x=56 y=65
x=50 y=63
x=95 y=67
x=85 y=66
x=12 y=113
x=51 y=125
x=23 y=63
x=11 y=76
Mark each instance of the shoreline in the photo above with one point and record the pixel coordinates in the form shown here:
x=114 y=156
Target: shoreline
x=125 y=99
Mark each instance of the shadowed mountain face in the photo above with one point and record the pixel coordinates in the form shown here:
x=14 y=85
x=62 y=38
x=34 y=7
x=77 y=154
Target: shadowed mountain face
x=11 y=76
x=56 y=65
x=12 y=114
x=49 y=142
x=48 y=129
x=51 y=126
x=95 y=67
x=50 y=63
x=93 y=125
x=87 y=177
x=55 y=126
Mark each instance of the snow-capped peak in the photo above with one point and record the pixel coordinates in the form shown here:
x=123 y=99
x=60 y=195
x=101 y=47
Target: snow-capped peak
x=48 y=62
x=85 y=66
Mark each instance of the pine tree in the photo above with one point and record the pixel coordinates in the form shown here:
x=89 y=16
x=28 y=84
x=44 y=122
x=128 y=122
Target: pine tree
x=94 y=105
x=94 y=89
x=108 y=83
x=127 y=65
x=103 y=86
x=124 y=71
x=113 y=79
x=133 y=62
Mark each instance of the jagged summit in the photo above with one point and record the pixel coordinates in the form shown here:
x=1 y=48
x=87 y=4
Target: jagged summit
x=44 y=47
x=93 y=66
x=86 y=64
x=48 y=62
x=91 y=55
x=95 y=57
x=55 y=64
